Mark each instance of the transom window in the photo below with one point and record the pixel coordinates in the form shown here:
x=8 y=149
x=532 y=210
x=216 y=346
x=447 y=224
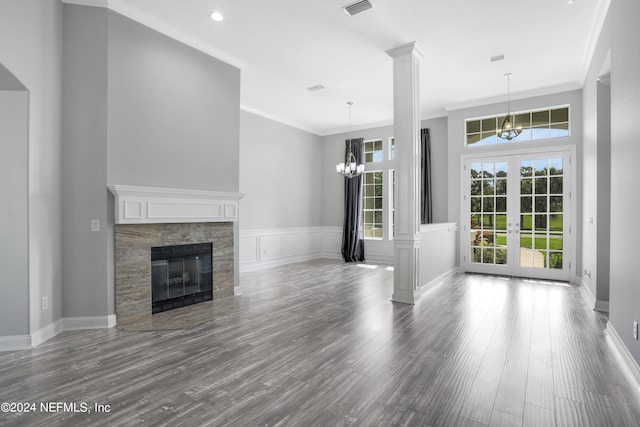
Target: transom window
x=546 y=123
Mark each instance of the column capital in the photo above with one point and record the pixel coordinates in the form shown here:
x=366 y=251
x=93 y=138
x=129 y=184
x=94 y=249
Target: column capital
x=406 y=49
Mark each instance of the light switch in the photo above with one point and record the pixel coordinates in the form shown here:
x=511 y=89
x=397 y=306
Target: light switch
x=95 y=225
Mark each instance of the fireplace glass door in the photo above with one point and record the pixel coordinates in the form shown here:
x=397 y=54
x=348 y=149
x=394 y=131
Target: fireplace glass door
x=180 y=275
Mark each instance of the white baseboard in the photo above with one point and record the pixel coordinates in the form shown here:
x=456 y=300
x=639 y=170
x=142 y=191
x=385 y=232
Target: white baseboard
x=15 y=342
x=602 y=306
x=598 y=305
x=26 y=342
x=255 y=266
x=423 y=289
x=591 y=299
x=92 y=322
x=46 y=333
x=627 y=362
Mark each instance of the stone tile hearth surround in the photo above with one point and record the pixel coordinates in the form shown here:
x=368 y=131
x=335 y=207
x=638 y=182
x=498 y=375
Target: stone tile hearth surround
x=133 y=243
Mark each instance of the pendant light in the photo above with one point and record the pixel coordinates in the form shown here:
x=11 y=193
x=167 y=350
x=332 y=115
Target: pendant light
x=507 y=130
x=350 y=168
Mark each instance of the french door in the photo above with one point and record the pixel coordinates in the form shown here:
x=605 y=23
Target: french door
x=517 y=215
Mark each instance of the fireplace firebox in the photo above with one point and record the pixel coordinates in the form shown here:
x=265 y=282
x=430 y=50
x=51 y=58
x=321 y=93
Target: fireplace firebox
x=180 y=275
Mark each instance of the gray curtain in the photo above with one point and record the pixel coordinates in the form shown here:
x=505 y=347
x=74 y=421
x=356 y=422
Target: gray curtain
x=426 y=215
x=352 y=233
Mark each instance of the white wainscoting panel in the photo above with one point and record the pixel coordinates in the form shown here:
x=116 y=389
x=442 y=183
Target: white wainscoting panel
x=249 y=249
x=437 y=252
x=378 y=251
x=269 y=247
x=332 y=242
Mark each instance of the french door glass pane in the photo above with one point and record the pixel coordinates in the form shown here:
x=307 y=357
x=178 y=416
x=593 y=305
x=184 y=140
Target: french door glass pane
x=488 y=207
x=541 y=213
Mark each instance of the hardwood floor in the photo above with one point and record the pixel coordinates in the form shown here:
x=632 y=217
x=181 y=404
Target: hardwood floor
x=320 y=343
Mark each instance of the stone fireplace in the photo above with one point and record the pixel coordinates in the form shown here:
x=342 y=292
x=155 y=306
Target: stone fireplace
x=149 y=218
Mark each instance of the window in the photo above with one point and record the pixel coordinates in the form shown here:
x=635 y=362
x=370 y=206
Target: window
x=372 y=204
x=377 y=189
x=373 y=151
x=538 y=124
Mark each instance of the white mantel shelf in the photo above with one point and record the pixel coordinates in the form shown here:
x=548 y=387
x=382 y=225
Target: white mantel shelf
x=152 y=205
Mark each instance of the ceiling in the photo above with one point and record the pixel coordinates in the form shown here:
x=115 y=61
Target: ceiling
x=285 y=46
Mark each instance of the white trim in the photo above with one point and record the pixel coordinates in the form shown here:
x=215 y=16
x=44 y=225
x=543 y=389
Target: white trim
x=627 y=362
x=438 y=226
x=282 y=120
x=46 y=333
x=277 y=262
x=90 y=322
x=27 y=342
x=262 y=248
x=591 y=299
x=141 y=17
x=549 y=90
x=15 y=343
x=92 y=3
x=596 y=28
x=508 y=153
x=423 y=289
x=153 y=205
x=602 y=306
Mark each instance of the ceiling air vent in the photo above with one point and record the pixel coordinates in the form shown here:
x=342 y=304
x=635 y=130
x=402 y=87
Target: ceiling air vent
x=357 y=7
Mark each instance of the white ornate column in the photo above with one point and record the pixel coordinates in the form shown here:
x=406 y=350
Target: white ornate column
x=406 y=119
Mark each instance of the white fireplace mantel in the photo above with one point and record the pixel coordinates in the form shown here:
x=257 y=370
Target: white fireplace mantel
x=152 y=205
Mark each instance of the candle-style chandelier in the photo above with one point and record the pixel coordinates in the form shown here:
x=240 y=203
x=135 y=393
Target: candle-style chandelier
x=350 y=168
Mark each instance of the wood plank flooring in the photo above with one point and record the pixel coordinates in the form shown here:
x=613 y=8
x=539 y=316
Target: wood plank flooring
x=320 y=344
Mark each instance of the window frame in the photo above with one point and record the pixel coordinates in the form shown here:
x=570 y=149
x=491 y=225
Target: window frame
x=386 y=166
x=530 y=127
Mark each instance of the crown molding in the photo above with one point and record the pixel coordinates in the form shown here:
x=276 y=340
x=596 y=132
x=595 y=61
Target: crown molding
x=92 y=3
x=549 y=90
x=135 y=14
x=596 y=28
x=279 y=119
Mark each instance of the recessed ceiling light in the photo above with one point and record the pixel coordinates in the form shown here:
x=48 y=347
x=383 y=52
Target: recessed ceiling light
x=496 y=58
x=315 y=88
x=216 y=16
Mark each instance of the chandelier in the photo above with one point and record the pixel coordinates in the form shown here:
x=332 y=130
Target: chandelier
x=507 y=130
x=350 y=168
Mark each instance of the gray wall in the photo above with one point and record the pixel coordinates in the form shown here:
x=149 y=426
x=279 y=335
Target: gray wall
x=621 y=35
x=279 y=175
x=31 y=48
x=139 y=109
x=333 y=152
x=85 y=269
x=596 y=161
x=14 y=249
x=174 y=112
x=457 y=144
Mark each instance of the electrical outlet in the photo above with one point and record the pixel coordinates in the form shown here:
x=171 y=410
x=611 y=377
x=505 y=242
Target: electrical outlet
x=635 y=330
x=45 y=303
x=95 y=225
